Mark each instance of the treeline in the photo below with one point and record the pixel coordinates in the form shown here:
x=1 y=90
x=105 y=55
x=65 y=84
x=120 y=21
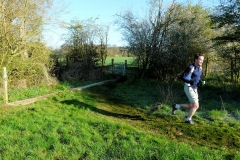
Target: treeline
x=164 y=42
x=118 y=51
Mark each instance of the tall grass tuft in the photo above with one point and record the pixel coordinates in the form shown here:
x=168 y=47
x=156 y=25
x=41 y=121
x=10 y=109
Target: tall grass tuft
x=218 y=114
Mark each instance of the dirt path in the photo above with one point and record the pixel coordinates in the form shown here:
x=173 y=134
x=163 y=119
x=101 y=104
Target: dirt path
x=32 y=100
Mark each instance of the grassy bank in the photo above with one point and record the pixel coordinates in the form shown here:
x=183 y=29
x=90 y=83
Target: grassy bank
x=120 y=121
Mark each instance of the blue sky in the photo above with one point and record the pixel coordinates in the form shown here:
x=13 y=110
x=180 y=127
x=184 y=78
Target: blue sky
x=105 y=10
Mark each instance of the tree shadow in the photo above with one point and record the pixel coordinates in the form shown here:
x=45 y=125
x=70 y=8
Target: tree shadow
x=83 y=105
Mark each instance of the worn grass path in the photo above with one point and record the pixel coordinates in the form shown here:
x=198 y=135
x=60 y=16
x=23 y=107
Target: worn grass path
x=32 y=100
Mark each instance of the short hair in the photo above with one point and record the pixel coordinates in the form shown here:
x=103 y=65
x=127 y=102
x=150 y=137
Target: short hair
x=198 y=55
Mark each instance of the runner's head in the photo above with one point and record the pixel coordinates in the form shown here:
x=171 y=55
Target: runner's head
x=198 y=59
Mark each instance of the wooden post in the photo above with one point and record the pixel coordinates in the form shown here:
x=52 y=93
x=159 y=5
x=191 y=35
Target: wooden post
x=112 y=66
x=5 y=85
x=231 y=70
x=124 y=68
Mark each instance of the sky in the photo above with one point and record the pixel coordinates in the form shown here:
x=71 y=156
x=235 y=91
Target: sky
x=105 y=11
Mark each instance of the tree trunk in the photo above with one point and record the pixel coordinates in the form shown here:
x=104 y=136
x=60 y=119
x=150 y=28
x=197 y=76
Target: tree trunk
x=206 y=69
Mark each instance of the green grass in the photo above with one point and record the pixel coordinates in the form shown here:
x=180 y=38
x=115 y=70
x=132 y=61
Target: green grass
x=130 y=60
x=117 y=121
x=218 y=115
x=34 y=91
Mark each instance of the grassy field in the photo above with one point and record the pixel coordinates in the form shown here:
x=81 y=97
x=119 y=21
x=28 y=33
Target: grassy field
x=127 y=120
x=130 y=60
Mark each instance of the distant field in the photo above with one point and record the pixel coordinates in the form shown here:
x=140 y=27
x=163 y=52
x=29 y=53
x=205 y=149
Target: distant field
x=119 y=60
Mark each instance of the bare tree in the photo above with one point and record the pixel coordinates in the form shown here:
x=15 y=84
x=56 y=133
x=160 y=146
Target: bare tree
x=103 y=42
x=165 y=40
x=87 y=44
x=146 y=37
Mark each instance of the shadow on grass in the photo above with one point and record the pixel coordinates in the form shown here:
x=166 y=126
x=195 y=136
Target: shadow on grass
x=79 y=104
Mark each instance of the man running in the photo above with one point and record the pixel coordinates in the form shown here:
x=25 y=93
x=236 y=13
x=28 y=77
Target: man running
x=192 y=78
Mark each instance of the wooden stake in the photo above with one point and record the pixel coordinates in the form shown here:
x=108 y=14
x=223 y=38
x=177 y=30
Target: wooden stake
x=112 y=66
x=5 y=85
